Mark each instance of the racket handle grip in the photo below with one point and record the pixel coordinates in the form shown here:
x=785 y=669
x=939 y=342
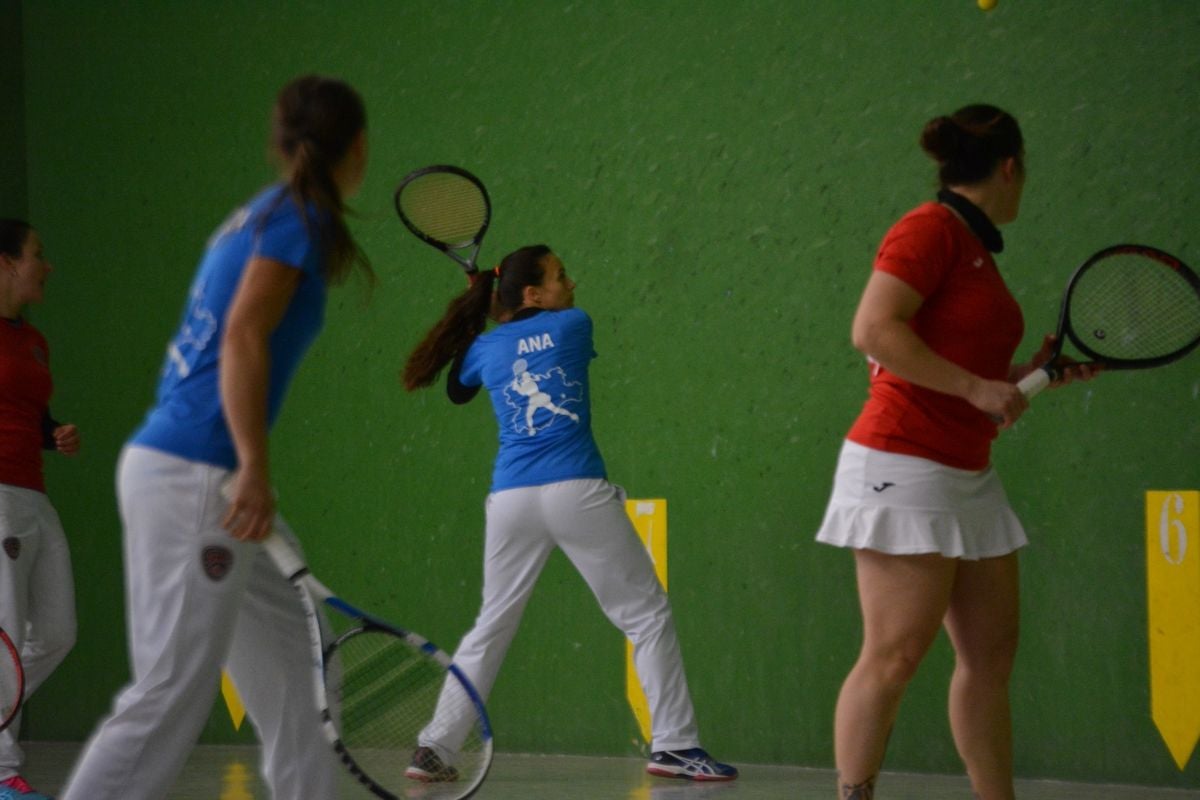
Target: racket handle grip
x=279 y=550
x=1034 y=382
x=284 y=555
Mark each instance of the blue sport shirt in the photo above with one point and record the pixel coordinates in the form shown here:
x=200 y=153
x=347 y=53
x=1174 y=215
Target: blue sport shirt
x=536 y=371
x=187 y=420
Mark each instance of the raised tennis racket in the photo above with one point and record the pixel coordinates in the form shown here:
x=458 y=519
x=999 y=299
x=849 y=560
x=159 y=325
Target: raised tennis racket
x=402 y=717
x=1129 y=306
x=448 y=208
x=12 y=681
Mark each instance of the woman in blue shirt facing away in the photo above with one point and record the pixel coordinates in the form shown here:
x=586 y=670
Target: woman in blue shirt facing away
x=549 y=489
x=201 y=594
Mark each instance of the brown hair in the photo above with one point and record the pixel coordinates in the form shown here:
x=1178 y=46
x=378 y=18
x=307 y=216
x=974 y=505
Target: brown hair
x=466 y=315
x=13 y=235
x=314 y=123
x=970 y=143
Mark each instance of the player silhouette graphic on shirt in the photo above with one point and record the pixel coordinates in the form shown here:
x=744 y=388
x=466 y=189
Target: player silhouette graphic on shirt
x=525 y=385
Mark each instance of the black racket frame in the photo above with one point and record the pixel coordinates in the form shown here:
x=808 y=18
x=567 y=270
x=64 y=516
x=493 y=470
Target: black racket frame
x=449 y=248
x=1109 y=362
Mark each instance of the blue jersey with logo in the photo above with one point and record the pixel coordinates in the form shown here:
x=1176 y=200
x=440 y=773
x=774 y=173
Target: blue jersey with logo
x=536 y=371
x=187 y=419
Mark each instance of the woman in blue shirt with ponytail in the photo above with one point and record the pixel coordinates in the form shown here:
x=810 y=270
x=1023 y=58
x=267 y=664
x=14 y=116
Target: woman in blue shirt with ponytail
x=201 y=594
x=549 y=489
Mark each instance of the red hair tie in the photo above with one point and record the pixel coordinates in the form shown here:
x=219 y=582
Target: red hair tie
x=473 y=277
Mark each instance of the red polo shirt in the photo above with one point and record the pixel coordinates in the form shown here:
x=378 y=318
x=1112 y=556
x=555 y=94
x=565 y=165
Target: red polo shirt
x=25 y=388
x=968 y=317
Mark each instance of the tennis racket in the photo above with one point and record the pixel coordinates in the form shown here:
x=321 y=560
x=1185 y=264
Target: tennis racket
x=12 y=681
x=1129 y=306
x=448 y=208
x=402 y=717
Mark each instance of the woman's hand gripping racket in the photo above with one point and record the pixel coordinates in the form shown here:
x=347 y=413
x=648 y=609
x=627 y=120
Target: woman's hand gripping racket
x=1129 y=306
x=12 y=681
x=394 y=707
x=448 y=208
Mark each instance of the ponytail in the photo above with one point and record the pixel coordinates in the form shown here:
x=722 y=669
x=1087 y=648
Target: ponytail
x=315 y=122
x=467 y=315
x=465 y=318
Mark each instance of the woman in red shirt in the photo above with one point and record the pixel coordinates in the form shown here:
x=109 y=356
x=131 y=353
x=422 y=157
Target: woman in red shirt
x=37 y=593
x=915 y=497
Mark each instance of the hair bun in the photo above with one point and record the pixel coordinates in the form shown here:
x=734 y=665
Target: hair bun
x=942 y=139
x=969 y=144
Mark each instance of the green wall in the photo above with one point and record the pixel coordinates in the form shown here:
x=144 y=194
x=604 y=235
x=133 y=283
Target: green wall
x=716 y=177
x=12 y=113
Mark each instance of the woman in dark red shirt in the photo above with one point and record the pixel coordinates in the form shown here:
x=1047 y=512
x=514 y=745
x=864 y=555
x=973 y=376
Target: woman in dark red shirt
x=915 y=497
x=37 y=594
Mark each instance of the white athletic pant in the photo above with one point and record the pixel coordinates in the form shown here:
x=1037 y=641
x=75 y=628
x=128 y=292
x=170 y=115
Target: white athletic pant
x=587 y=519
x=198 y=600
x=37 y=596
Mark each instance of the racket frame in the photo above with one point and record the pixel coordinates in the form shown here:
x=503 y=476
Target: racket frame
x=451 y=249
x=1164 y=258
x=7 y=647
x=311 y=590
x=1040 y=378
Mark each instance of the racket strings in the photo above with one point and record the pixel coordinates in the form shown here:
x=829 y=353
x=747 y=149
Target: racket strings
x=387 y=699
x=446 y=207
x=1130 y=308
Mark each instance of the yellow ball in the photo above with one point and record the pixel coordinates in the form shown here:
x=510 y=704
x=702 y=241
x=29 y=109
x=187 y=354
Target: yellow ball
x=987 y=5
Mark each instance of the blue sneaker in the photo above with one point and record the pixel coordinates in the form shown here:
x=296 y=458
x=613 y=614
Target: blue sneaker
x=692 y=765
x=17 y=788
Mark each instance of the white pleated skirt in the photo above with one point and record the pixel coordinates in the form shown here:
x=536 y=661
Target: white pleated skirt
x=905 y=505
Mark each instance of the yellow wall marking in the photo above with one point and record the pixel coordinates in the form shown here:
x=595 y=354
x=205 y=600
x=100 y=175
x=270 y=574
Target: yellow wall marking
x=235 y=783
x=1173 y=599
x=233 y=700
x=650 y=521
